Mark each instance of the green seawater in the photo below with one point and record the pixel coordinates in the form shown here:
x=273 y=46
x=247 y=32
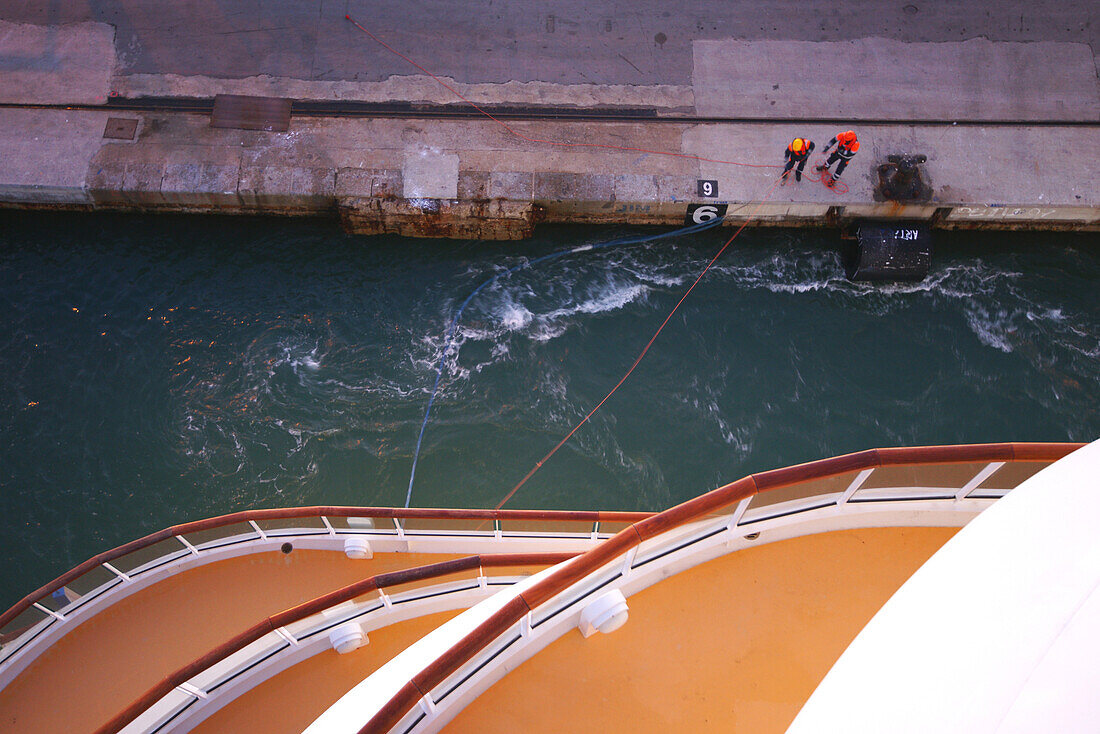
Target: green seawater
x=155 y=370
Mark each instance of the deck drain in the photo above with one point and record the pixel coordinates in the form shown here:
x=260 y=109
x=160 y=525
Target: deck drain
x=120 y=128
x=286 y=548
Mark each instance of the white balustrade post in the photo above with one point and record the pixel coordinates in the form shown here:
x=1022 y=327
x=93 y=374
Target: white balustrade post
x=980 y=477
x=854 y=486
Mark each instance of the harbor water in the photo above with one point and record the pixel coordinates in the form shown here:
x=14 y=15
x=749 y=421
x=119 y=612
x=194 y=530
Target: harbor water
x=155 y=370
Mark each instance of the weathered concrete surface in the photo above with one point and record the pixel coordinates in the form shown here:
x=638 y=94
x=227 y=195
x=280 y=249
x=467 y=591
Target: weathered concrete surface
x=430 y=174
x=967 y=165
x=64 y=64
x=880 y=78
x=474 y=179
x=848 y=57
x=486 y=220
x=566 y=42
x=416 y=88
x=45 y=155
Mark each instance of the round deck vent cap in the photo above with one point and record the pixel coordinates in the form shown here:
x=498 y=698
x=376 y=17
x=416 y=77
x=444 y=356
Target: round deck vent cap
x=347 y=637
x=605 y=614
x=357 y=547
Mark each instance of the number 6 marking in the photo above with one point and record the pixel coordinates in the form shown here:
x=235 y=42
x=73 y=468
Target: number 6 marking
x=700 y=213
x=704 y=214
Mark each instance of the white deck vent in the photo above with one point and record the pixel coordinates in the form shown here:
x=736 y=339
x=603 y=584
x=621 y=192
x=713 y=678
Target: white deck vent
x=606 y=614
x=357 y=547
x=347 y=637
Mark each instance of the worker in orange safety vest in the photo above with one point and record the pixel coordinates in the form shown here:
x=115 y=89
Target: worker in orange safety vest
x=846 y=147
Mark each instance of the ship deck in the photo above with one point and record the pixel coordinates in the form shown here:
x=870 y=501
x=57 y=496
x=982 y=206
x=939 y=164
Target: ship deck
x=740 y=602
x=756 y=630
x=115 y=656
x=735 y=644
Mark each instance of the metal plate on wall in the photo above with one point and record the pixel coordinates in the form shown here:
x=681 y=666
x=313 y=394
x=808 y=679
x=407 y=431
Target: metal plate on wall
x=271 y=114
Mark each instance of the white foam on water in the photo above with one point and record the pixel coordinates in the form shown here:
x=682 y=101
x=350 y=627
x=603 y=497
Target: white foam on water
x=518 y=310
x=376 y=385
x=703 y=398
x=296 y=356
x=992 y=329
x=990 y=300
x=611 y=299
x=514 y=316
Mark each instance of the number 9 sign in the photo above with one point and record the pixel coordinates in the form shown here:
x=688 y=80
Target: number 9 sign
x=700 y=213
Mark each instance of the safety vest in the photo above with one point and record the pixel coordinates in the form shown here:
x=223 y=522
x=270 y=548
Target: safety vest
x=844 y=151
x=807 y=148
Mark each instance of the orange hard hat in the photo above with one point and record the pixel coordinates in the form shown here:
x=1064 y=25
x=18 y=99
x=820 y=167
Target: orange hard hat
x=797 y=145
x=847 y=136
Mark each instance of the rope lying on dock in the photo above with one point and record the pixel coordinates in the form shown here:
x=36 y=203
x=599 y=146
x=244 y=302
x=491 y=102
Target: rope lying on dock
x=449 y=340
x=837 y=186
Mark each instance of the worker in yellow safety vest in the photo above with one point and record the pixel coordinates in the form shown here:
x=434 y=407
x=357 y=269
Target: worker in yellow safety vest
x=798 y=152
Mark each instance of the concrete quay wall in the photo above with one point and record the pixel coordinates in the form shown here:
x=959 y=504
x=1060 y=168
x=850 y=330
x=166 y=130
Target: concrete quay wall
x=472 y=179
x=1006 y=95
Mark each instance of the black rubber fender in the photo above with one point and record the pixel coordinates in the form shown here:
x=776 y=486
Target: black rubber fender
x=889 y=251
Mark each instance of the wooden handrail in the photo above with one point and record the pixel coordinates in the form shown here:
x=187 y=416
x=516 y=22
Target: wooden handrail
x=298 y=512
x=569 y=573
x=319 y=604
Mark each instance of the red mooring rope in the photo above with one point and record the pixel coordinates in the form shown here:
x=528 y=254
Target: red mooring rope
x=645 y=349
x=606 y=146
x=825 y=178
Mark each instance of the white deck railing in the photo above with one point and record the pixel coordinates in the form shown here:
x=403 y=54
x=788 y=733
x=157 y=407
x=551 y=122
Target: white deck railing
x=203 y=695
x=46 y=619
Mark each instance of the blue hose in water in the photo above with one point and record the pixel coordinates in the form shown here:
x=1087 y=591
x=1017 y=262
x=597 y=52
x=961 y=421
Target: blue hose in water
x=528 y=263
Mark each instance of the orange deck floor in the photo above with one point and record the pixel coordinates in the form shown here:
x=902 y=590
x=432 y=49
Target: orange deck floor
x=278 y=704
x=736 y=644
x=104 y=664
